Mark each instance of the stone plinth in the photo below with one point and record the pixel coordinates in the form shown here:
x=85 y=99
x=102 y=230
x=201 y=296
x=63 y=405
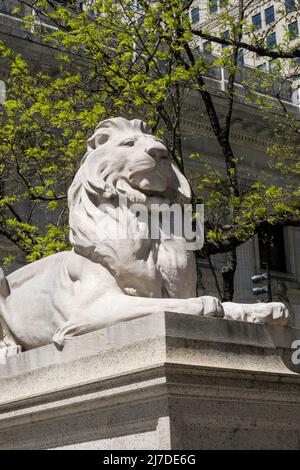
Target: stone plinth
x=160 y=382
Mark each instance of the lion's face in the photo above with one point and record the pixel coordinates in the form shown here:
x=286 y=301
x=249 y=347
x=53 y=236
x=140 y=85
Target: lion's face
x=122 y=159
x=149 y=166
x=140 y=159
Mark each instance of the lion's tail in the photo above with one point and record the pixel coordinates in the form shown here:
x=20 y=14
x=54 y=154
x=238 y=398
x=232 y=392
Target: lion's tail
x=4 y=286
x=7 y=339
x=4 y=293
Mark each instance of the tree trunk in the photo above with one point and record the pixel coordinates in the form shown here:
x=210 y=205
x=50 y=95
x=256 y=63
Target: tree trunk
x=228 y=272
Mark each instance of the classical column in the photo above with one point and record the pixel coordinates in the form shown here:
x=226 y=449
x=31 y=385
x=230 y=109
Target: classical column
x=245 y=269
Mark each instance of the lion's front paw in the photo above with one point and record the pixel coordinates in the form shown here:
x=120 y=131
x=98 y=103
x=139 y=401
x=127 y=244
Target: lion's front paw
x=210 y=307
x=272 y=313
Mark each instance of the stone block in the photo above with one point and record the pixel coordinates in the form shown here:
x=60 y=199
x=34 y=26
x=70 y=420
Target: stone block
x=165 y=381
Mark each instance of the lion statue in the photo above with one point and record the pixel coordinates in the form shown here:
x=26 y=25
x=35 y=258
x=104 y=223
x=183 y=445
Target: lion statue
x=104 y=280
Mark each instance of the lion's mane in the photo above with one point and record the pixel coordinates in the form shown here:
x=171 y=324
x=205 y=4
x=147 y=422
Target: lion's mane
x=99 y=180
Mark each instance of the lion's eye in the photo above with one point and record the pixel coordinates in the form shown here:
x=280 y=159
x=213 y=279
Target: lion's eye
x=101 y=139
x=128 y=143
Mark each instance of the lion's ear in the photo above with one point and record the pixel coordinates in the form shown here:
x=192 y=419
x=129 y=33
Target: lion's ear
x=96 y=140
x=179 y=186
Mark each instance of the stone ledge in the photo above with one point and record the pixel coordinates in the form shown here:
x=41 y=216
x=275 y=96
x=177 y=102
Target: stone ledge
x=147 y=343
x=167 y=325
x=153 y=383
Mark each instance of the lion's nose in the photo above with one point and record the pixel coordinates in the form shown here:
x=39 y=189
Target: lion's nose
x=157 y=151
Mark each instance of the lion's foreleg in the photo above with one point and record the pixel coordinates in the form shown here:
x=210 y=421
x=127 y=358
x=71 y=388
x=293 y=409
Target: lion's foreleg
x=110 y=310
x=273 y=312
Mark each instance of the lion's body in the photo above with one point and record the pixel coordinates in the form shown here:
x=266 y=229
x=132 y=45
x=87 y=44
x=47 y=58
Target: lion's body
x=35 y=299
x=106 y=279
x=67 y=287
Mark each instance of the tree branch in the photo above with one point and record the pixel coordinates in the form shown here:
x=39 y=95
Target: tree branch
x=258 y=49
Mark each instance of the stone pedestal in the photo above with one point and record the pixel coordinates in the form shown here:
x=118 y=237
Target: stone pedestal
x=160 y=382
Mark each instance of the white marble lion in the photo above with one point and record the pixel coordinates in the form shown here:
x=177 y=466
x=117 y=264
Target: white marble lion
x=103 y=280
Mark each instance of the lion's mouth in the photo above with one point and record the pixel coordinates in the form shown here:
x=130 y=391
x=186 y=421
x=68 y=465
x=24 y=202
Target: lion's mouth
x=150 y=184
x=153 y=197
x=150 y=181
x=150 y=192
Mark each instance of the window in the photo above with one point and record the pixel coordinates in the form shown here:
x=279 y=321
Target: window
x=274 y=65
x=79 y=5
x=195 y=16
x=262 y=67
x=213 y=6
x=140 y=21
x=271 y=40
x=223 y=3
x=271 y=247
x=240 y=57
x=135 y=5
x=256 y=21
x=293 y=30
x=207 y=47
x=260 y=43
x=82 y=5
x=290 y=5
x=269 y=15
x=225 y=35
x=7 y=6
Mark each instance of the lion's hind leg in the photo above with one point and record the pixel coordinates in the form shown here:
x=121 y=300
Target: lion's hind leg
x=8 y=344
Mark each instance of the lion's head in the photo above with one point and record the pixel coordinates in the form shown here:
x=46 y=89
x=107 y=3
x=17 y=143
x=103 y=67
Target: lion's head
x=123 y=158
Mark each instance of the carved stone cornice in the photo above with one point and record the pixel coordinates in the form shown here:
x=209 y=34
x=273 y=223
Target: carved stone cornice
x=240 y=137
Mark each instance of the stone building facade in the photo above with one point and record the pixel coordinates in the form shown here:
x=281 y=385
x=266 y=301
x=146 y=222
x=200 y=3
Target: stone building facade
x=271 y=22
